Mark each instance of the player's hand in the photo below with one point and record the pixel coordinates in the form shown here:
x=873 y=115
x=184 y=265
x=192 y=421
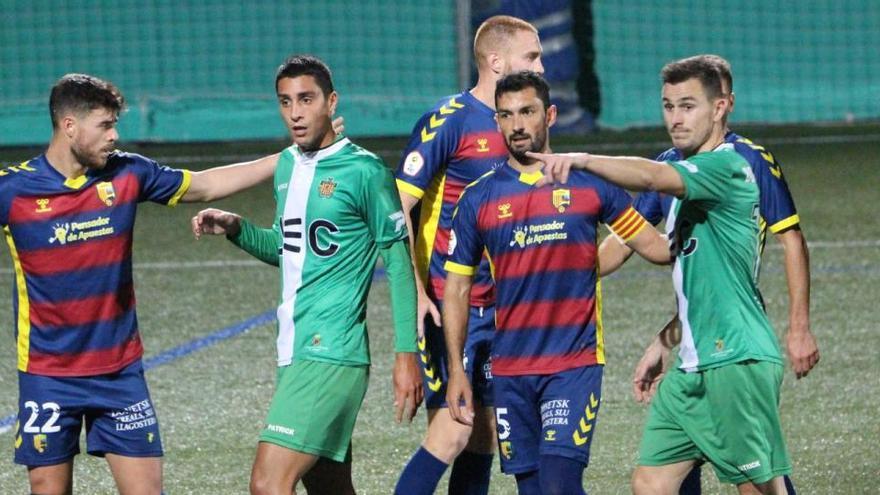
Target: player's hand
x=338 y=125
x=649 y=371
x=407 y=381
x=558 y=165
x=458 y=390
x=803 y=352
x=215 y=222
x=426 y=306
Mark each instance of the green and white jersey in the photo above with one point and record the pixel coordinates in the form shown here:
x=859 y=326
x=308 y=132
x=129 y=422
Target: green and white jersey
x=716 y=237
x=335 y=208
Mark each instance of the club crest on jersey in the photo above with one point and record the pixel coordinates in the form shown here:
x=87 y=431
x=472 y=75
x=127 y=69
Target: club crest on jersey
x=482 y=145
x=43 y=205
x=327 y=187
x=40 y=442
x=561 y=199
x=106 y=193
x=504 y=211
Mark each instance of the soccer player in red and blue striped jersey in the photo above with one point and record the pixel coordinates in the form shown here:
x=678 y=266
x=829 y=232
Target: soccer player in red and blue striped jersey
x=450 y=147
x=548 y=350
x=68 y=216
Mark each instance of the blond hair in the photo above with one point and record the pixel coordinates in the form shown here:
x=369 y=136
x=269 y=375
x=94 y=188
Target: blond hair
x=494 y=33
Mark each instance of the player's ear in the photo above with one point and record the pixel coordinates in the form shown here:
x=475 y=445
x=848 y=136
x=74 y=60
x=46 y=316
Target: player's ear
x=551 y=115
x=495 y=62
x=732 y=99
x=721 y=109
x=68 y=125
x=332 y=101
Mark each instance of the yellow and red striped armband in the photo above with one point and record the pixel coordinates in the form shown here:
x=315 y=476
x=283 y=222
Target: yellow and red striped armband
x=628 y=224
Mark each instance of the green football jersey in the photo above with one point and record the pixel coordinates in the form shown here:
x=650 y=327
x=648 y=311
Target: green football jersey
x=335 y=208
x=716 y=237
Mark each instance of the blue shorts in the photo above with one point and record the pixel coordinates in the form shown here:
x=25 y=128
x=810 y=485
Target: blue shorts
x=118 y=413
x=477 y=358
x=546 y=415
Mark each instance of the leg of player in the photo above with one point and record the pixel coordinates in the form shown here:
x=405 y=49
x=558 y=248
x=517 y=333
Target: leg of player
x=692 y=483
x=52 y=480
x=277 y=469
x=561 y=476
x=136 y=475
x=660 y=480
x=776 y=486
x=472 y=468
x=329 y=477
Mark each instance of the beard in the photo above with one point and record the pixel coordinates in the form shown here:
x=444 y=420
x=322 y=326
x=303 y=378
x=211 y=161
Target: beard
x=91 y=160
x=535 y=144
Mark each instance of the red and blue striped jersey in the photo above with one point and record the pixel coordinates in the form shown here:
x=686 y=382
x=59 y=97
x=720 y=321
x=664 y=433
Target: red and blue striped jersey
x=542 y=244
x=776 y=204
x=450 y=147
x=70 y=241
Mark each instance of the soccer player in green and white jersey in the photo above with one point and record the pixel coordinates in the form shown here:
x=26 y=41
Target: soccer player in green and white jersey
x=337 y=210
x=720 y=403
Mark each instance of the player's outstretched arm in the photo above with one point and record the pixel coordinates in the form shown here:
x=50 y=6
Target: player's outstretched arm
x=424 y=305
x=655 y=361
x=651 y=245
x=259 y=243
x=633 y=173
x=613 y=253
x=455 y=316
x=803 y=351
x=219 y=182
x=406 y=377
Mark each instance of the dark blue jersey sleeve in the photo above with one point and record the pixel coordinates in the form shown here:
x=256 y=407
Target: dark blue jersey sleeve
x=776 y=204
x=158 y=183
x=465 y=243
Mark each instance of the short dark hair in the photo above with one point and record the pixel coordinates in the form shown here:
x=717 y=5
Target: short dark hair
x=306 y=65
x=519 y=81
x=706 y=68
x=82 y=93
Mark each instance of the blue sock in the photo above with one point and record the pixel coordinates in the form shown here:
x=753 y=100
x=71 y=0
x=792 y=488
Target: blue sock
x=470 y=474
x=691 y=483
x=561 y=475
x=421 y=474
x=527 y=483
x=789 y=486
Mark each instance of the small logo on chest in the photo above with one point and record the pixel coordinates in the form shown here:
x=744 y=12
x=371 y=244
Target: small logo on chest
x=482 y=145
x=561 y=199
x=504 y=211
x=43 y=205
x=326 y=188
x=106 y=193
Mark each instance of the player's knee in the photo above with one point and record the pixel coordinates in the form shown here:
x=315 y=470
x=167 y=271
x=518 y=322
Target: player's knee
x=262 y=484
x=446 y=438
x=643 y=483
x=561 y=475
x=49 y=485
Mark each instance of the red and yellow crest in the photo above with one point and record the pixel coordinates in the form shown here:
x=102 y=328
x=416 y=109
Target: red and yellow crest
x=106 y=193
x=326 y=188
x=561 y=199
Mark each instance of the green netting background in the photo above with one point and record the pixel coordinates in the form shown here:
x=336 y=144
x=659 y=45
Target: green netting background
x=204 y=69
x=793 y=60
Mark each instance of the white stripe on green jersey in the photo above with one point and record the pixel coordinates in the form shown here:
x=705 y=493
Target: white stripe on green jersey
x=335 y=208
x=716 y=237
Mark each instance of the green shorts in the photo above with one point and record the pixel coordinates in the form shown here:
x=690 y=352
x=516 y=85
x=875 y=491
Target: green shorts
x=728 y=416
x=315 y=407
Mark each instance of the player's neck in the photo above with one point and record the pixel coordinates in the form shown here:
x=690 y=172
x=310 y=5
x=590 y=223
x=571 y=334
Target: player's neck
x=62 y=159
x=485 y=91
x=715 y=140
x=525 y=167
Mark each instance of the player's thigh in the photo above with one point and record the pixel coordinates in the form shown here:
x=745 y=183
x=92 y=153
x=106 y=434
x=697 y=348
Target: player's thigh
x=744 y=398
x=121 y=419
x=674 y=416
x=56 y=479
x=315 y=407
x=278 y=468
x=50 y=412
x=518 y=416
x=328 y=477
x=569 y=404
x=660 y=480
x=136 y=475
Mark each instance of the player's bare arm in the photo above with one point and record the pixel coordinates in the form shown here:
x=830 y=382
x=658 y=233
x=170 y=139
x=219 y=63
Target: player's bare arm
x=424 y=303
x=651 y=245
x=219 y=182
x=633 y=173
x=655 y=361
x=613 y=253
x=455 y=314
x=803 y=351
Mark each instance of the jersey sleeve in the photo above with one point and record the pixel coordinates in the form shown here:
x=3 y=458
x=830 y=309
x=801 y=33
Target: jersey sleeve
x=465 y=243
x=649 y=204
x=618 y=213
x=161 y=184
x=381 y=206
x=706 y=176
x=776 y=203
x=433 y=141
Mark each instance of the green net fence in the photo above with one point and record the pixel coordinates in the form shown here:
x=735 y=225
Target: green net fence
x=204 y=69
x=793 y=60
